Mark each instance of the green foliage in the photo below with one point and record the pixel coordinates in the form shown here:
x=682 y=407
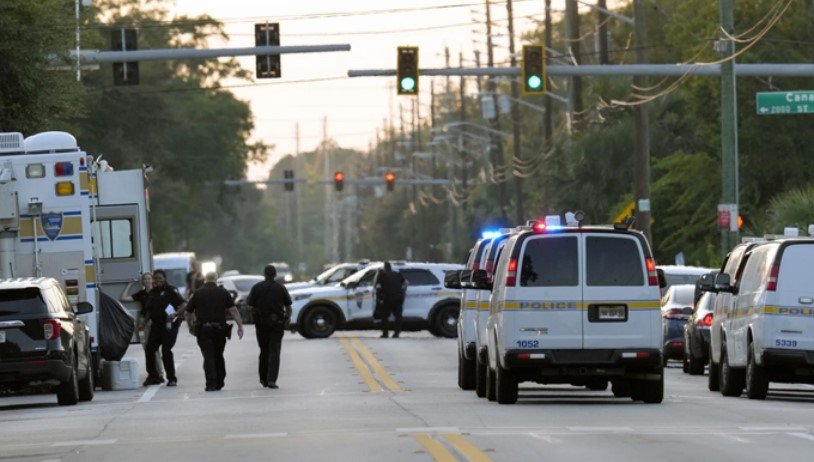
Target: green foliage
x=794 y=208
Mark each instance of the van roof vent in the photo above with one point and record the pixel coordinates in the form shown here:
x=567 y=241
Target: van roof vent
x=11 y=142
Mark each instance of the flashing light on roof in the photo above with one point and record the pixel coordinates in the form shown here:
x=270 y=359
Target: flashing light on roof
x=490 y=234
x=791 y=231
x=539 y=227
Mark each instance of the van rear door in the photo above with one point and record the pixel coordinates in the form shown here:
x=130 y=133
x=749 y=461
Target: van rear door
x=795 y=297
x=620 y=308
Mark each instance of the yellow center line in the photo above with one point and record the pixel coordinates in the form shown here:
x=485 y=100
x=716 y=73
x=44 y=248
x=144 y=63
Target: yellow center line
x=361 y=366
x=437 y=450
x=469 y=450
x=377 y=367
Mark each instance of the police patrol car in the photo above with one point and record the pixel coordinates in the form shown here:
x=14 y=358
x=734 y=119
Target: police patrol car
x=764 y=325
x=319 y=311
x=574 y=305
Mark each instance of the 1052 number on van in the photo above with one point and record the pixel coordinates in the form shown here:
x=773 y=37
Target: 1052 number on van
x=528 y=344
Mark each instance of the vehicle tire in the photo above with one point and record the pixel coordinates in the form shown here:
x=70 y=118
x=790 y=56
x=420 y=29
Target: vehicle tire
x=695 y=366
x=636 y=388
x=86 y=385
x=620 y=388
x=480 y=378
x=491 y=385
x=714 y=379
x=68 y=391
x=652 y=391
x=597 y=385
x=444 y=322
x=732 y=380
x=467 y=373
x=685 y=365
x=757 y=380
x=506 y=386
x=318 y=322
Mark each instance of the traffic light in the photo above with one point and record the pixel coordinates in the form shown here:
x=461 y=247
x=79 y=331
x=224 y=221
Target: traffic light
x=407 y=71
x=534 y=75
x=390 y=179
x=289 y=175
x=267 y=34
x=124 y=40
x=339 y=180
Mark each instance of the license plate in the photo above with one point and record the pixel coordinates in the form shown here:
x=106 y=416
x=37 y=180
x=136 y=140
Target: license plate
x=2 y=336
x=608 y=313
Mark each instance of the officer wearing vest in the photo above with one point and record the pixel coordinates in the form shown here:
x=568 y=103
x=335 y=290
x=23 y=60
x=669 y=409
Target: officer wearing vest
x=271 y=310
x=209 y=305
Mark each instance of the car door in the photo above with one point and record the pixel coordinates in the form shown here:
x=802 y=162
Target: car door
x=422 y=292
x=360 y=300
x=793 y=327
x=620 y=307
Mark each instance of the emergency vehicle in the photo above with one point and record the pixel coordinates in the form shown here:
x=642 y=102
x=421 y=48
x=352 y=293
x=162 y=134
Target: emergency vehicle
x=317 y=312
x=56 y=201
x=466 y=318
x=578 y=305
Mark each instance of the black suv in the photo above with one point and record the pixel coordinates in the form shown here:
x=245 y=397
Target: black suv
x=43 y=342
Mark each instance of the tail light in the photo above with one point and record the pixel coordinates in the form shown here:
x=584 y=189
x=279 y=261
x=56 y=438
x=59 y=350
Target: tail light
x=539 y=227
x=706 y=321
x=771 y=285
x=511 y=273
x=652 y=275
x=475 y=266
x=51 y=329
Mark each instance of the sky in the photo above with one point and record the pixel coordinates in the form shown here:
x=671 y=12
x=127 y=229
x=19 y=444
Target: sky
x=354 y=108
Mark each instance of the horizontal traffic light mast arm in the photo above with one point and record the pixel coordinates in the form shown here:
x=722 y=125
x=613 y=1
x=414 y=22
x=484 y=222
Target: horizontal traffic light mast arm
x=95 y=56
x=778 y=70
x=359 y=181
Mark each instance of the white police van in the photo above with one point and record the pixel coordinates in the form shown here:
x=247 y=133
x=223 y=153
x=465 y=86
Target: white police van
x=466 y=317
x=767 y=331
x=319 y=311
x=574 y=305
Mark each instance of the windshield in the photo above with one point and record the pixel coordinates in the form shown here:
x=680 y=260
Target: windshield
x=355 y=277
x=683 y=295
x=336 y=274
x=22 y=301
x=176 y=277
x=245 y=285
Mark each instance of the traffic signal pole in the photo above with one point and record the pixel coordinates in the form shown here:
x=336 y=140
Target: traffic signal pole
x=517 y=120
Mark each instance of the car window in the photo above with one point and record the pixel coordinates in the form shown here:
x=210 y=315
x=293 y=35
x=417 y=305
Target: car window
x=613 y=261
x=22 y=301
x=683 y=295
x=339 y=275
x=245 y=285
x=674 y=279
x=367 y=278
x=419 y=277
x=550 y=262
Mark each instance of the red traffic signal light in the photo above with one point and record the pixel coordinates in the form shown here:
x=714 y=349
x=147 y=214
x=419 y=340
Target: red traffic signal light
x=339 y=180
x=390 y=179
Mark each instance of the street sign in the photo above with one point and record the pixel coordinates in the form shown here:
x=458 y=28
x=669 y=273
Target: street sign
x=728 y=217
x=629 y=210
x=785 y=102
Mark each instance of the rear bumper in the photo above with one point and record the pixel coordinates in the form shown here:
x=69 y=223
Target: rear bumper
x=25 y=372
x=780 y=357
x=584 y=363
x=674 y=348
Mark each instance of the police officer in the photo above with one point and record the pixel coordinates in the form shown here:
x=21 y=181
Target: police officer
x=163 y=304
x=390 y=289
x=271 y=310
x=209 y=305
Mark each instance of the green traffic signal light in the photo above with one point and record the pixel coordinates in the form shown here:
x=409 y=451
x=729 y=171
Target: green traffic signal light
x=407 y=71
x=534 y=82
x=408 y=84
x=534 y=72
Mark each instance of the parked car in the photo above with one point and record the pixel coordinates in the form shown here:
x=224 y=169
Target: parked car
x=333 y=275
x=240 y=285
x=679 y=274
x=43 y=342
x=676 y=309
x=284 y=274
x=696 y=335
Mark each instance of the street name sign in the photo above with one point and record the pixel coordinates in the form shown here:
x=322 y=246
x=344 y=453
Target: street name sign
x=785 y=102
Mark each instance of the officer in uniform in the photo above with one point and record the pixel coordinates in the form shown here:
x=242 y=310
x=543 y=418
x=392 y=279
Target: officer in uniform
x=209 y=305
x=390 y=290
x=271 y=310
x=163 y=298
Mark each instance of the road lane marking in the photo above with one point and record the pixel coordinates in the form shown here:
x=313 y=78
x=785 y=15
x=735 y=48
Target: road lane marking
x=546 y=438
x=84 y=443
x=734 y=437
x=469 y=450
x=148 y=395
x=601 y=429
x=377 y=367
x=437 y=450
x=805 y=436
x=455 y=430
x=777 y=429
x=250 y=436
x=372 y=384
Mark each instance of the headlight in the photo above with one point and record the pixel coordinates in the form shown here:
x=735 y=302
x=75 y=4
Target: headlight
x=289 y=278
x=299 y=297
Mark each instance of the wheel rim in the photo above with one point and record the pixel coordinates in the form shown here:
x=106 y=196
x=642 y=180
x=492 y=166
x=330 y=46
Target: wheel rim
x=321 y=322
x=447 y=321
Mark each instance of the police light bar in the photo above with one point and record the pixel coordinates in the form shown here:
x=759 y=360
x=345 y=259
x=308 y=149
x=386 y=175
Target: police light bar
x=553 y=221
x=490 y=234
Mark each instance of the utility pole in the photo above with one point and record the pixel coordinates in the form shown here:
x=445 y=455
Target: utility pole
x=298 y=196
x=729 y=126
x=462 y=148
x=602 y=31
x=575 y=87
x=641 y=142
x=495 y=143
x=548 y=124
x=517 y=121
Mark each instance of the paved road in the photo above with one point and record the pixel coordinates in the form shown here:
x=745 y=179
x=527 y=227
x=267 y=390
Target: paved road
x=356 y=397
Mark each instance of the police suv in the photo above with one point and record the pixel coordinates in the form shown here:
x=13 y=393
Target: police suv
x=575 y=305
x=319 y=311
x=764 y=327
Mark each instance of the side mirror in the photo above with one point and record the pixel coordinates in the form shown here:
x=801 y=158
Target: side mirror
x=466 y=279
x=723 y=283
x=480 y=279
x=452 y=280
x=233 y=293
x=662 y=279
x=706 y=283
x=84 y=308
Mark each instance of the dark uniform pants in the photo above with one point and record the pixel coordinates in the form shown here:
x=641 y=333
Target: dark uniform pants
x=161 y=337
x=270 y=341
x=212 y=341
x=396 y=309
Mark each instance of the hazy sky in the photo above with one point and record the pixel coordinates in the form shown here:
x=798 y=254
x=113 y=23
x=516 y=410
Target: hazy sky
x=354 y=107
